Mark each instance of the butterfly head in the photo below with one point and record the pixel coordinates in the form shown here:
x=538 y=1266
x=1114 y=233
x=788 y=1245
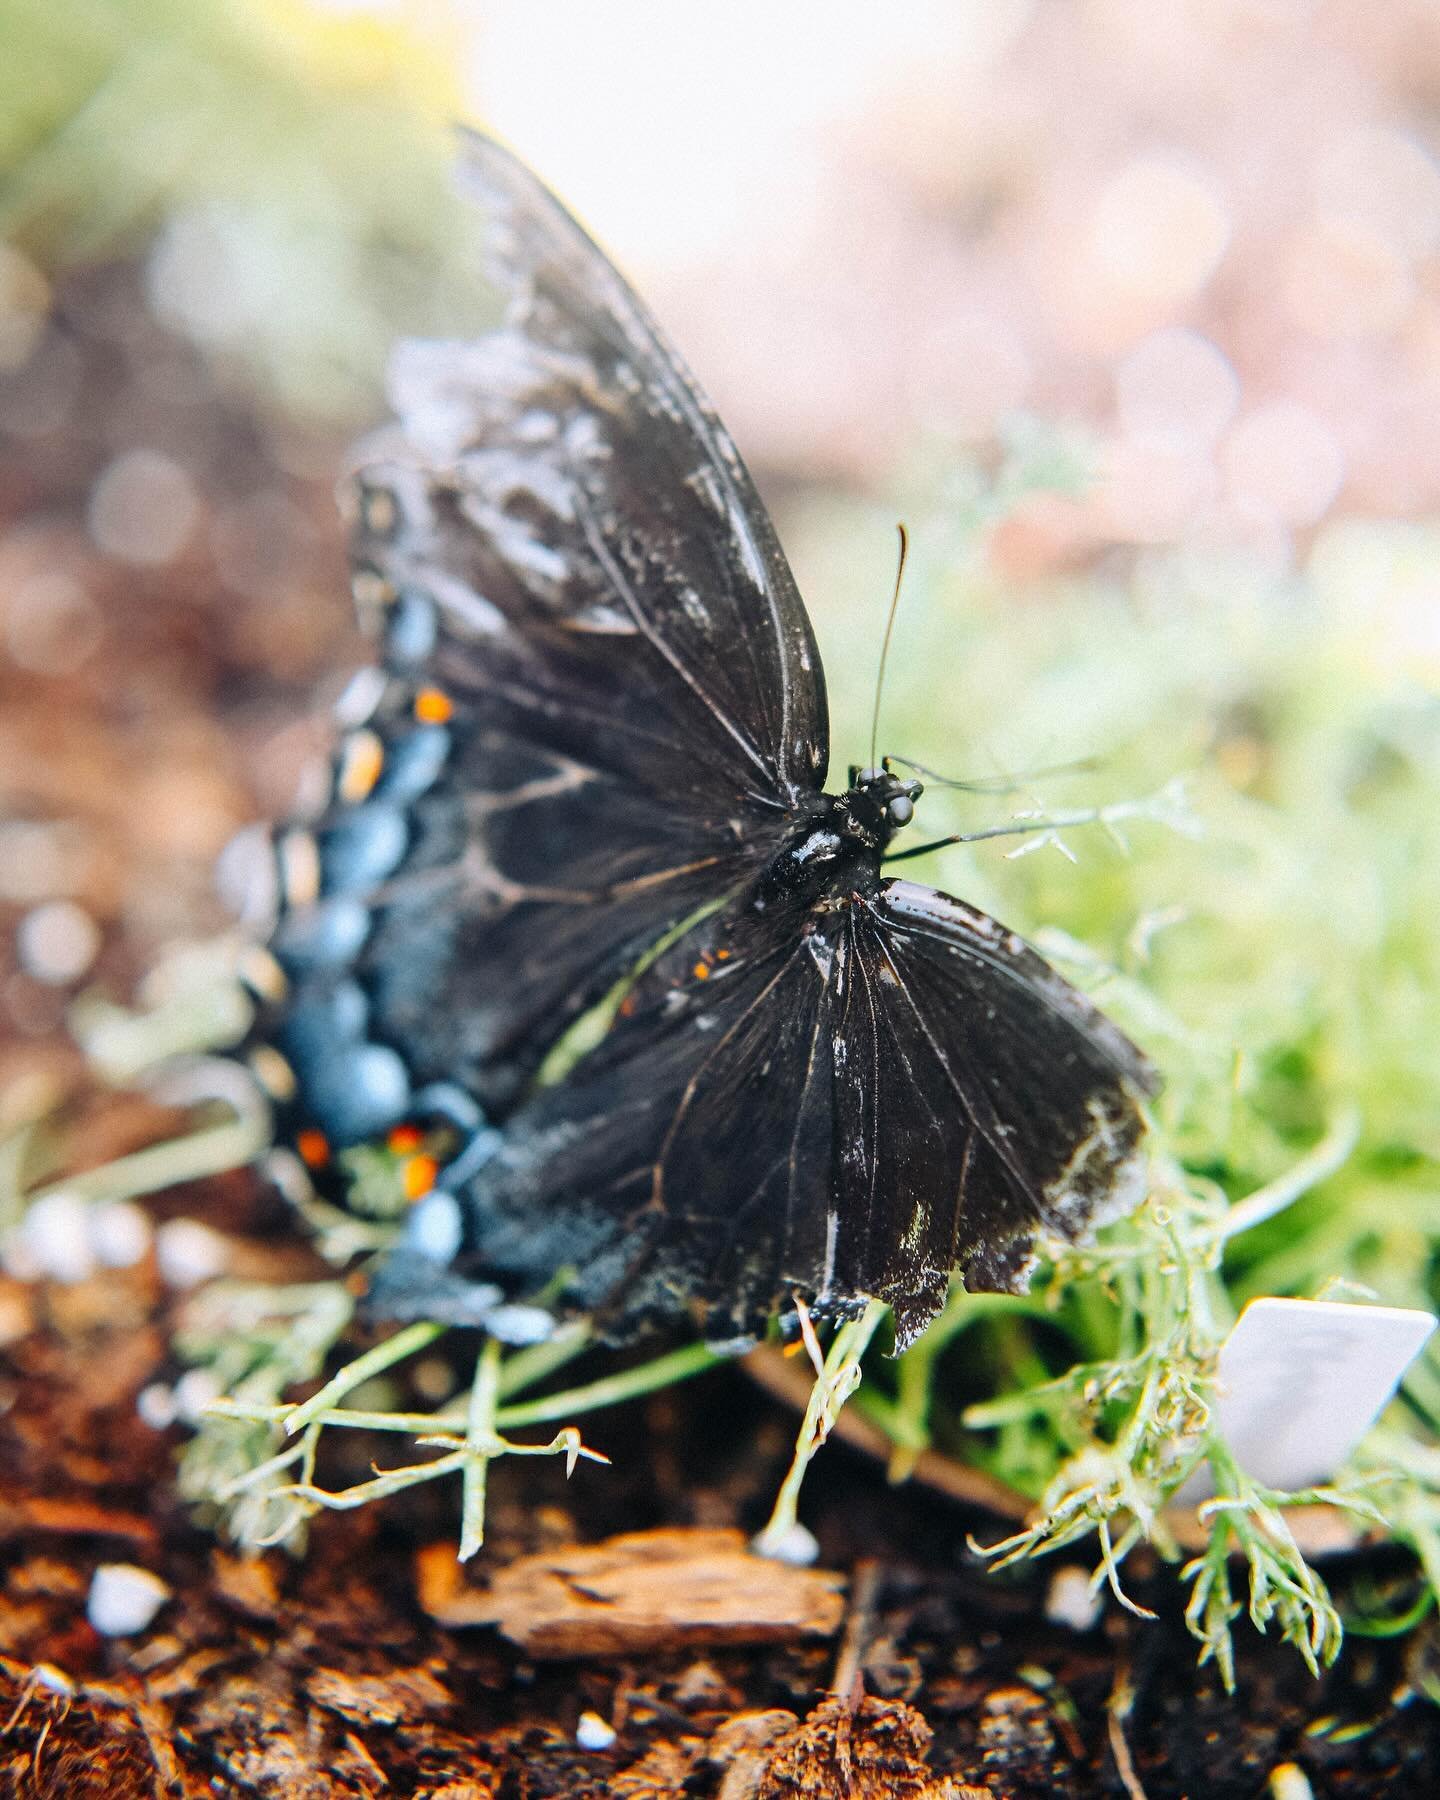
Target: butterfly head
x=887 y=796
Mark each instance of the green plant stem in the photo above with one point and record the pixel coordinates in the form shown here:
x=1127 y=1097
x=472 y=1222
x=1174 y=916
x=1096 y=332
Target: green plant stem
x=1317 y=1165
x=210 y=1151
x=525 y=1367
x=836 y=1380
x=383 y=1356
x=611 y=1390
x=479 y=1439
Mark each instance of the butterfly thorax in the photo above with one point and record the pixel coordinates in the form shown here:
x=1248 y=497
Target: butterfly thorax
x=837 y=846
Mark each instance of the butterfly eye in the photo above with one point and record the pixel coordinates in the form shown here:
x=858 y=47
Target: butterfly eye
x=901 y=810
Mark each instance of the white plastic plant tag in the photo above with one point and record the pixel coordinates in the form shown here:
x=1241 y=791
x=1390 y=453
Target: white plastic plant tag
x=1300 y=1382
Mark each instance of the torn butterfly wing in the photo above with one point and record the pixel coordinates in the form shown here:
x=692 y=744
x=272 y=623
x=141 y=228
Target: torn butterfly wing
x=852 y=1102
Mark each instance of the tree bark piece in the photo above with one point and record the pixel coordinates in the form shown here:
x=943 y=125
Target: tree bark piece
x=643 y=1591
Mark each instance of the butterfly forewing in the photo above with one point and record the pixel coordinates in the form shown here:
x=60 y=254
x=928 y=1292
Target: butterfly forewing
x=566 y=535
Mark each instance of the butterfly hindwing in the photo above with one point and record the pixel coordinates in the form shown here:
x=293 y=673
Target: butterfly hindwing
x=847 y=1104
x=1019 y=1100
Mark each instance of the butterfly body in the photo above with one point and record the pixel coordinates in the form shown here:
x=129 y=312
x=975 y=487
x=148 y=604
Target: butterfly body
x=838 y=848
x=580 y=888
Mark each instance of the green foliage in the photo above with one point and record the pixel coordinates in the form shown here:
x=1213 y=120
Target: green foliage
x=1281 y=967
x=238 y=1466
x=253 y=1343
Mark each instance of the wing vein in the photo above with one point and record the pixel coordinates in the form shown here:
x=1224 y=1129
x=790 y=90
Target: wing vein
x=616 y=577
x=990 y=1128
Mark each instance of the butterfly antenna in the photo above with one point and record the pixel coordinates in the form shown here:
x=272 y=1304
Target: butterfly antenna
x=999 y=784
x=1159 y=806
x=885 y=645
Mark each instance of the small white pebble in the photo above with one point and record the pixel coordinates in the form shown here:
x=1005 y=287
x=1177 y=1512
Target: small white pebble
x=593 y=1733
x=55 y=1236
x=189 y=1253
x=798 y=1547
x=1072 y=1600
x=155 y=1406
x=124 y=1599
x=245 y=878
x=193 y=1392
x=120 y=1234
x=57 y=942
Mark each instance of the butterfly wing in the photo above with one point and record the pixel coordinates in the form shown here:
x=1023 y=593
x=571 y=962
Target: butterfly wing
x=847 y=1105
x=617 y=688
x=981 y=1100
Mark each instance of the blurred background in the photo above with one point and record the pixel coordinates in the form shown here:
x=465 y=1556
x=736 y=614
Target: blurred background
x=1131 y=311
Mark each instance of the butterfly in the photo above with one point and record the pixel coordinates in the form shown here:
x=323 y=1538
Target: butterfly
x=580 y=888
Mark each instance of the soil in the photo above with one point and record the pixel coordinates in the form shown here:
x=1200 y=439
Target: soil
x=919 y=1672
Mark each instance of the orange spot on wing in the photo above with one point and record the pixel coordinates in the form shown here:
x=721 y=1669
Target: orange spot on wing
x=432 y=707
x=361 y=762
x=419 y=1176
x=405 y=1138
x=314 y=1148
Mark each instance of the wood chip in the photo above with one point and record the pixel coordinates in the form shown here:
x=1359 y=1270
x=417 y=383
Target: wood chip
x=1016 y=1740
x=251 y=1584
x=402 y=1697
x=741 y=1747
x=73 y=1518
x=662 y=1771
x=643 y=1591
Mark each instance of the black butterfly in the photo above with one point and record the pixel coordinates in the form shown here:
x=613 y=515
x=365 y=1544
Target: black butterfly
x=588 y=802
